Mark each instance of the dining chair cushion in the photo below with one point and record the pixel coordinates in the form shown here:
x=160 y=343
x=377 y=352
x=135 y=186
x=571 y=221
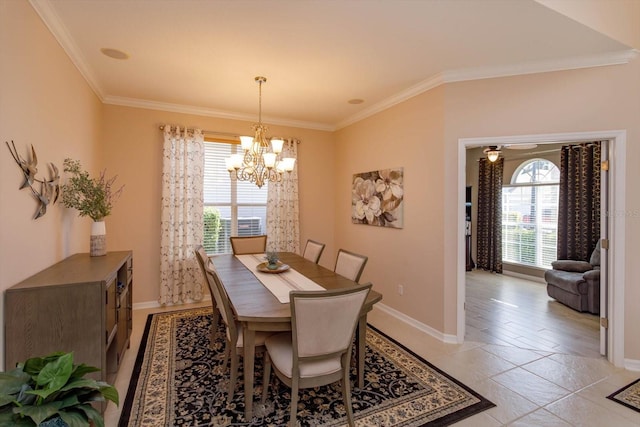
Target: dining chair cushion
x=261 y=336
x=280 y=350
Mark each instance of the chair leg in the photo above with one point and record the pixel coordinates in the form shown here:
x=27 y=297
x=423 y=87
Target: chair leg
x=214 y=326
x=346 y=396
x=266 y=377
x=227 y=351
x=234 y=373
x=346 y=386
x=294 y=402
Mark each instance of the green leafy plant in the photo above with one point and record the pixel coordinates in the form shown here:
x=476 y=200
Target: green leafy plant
x=44 y=388
x=272 y=258
x=92 y=197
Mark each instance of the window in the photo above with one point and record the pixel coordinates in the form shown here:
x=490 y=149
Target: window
x=231 y=207
x=530 y=214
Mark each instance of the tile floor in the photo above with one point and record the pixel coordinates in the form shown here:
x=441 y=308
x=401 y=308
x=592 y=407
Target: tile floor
x=530 y=388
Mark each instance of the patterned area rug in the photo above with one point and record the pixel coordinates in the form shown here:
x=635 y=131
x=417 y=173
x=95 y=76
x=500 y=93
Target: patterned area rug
x=179 y=380
x=628 y=396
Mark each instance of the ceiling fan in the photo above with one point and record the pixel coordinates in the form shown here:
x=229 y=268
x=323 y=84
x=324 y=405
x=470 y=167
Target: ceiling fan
x=492 y=152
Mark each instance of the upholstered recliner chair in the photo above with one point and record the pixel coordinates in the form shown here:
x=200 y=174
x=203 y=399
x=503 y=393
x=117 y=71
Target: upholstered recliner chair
x=576 y=283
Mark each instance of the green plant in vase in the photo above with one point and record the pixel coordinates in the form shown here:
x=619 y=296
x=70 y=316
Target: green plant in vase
x=52 y=389
x=92 y=197
x=272 y=260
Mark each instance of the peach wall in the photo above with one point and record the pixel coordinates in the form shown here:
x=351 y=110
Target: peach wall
x=52 y=107
x=133 y=149
x=596 y=99
x=422 y=135
x=408 y=135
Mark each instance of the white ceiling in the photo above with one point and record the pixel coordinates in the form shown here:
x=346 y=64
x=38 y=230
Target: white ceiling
x=202 y=56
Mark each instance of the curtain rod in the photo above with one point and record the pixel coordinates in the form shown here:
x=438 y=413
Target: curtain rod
x=213 y=133
x=210 y=132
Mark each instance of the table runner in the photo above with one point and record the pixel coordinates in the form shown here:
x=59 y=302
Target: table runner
x=279 y=284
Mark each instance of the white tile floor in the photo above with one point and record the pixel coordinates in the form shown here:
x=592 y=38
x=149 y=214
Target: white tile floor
x=530 y=388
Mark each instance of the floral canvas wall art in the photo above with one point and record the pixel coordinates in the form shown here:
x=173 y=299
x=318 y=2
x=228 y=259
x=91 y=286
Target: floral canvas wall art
x=377 y=198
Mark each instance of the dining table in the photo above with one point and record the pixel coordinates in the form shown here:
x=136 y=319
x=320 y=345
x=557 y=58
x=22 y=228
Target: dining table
x=258 y=309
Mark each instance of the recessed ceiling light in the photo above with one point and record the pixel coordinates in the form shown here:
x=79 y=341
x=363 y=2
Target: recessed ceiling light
x=355 y=101
x=114 y=53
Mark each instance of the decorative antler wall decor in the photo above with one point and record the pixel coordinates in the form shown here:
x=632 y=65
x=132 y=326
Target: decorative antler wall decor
x=49 y=188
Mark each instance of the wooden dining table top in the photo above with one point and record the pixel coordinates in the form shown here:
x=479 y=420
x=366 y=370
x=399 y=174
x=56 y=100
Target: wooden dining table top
x=253 y=302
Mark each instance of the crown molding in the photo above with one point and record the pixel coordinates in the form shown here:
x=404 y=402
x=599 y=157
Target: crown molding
x=210 y=112
x=451 y=76
x=412 y=91
x=562 y=64
x=51 y=19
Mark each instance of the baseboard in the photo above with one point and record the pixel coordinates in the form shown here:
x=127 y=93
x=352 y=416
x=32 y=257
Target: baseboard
x=446 y=338
x=156 y=304
x=146 y=305
x=632 y=364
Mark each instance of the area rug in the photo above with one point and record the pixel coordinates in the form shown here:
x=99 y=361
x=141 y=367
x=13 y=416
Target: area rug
x=628 y=396
x=180 y=380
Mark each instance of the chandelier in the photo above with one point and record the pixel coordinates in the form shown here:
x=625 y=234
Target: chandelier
x=259 y=162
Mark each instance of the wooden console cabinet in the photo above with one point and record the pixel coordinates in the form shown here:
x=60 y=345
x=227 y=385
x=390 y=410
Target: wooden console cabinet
x=81 y=304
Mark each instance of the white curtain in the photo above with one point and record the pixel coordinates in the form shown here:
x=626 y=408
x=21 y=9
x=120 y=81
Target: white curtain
x=181 y=216
x=283 y=223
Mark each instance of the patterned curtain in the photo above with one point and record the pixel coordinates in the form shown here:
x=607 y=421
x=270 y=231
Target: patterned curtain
x=579 y=201
x=283 y=223
x=489 y=232
x=181 y=215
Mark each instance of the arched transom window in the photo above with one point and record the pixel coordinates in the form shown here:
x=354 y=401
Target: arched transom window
x=536 y=171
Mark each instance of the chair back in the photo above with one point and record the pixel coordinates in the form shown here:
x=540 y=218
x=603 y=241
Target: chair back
x=350 y=264
x=249 y=244
x=222 y=302
x=203 y=260
x=313 y=250
x=323 y=322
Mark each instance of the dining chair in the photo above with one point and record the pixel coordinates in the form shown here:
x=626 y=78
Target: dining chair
x=248 y=244
x=203 y=259
x=317 y=351
x=313 y=250
x=234 y=332
x=350 y=264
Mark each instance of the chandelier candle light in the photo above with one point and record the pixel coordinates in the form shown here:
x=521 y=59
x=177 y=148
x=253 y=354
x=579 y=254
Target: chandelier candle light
x=259 y=162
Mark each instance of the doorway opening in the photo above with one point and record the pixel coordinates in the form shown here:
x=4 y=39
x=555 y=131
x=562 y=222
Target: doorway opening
x=613 y=310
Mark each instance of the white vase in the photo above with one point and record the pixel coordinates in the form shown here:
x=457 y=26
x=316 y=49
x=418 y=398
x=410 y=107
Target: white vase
x=98 y=242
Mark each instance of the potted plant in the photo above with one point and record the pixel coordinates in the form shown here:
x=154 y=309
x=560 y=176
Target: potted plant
x=272 y=260
x=51 y=390
x=92 y=197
